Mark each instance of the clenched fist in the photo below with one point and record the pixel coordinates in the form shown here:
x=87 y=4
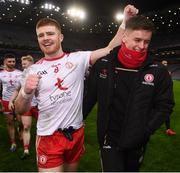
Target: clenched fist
x=31 y=83
x=130 y=11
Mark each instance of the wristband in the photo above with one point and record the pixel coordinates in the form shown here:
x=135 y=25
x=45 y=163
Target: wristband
x=24 y=95
x=123 y=26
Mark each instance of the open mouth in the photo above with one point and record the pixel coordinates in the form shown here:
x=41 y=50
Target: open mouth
x=47 y=44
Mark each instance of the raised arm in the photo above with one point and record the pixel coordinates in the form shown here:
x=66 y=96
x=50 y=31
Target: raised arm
x=129 y=11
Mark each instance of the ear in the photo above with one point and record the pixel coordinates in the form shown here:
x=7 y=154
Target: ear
x=124 y=37
x=5 y=60
x=61 y=37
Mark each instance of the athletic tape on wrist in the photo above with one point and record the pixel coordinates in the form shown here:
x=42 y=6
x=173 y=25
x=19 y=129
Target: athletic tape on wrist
x=123 y=26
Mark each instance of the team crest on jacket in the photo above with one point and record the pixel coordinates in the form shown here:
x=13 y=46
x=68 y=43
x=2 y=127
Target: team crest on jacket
x=103 y=73
x=148 y=79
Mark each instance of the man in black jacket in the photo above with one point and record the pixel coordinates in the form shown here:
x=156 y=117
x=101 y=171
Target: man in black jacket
x=134 y=97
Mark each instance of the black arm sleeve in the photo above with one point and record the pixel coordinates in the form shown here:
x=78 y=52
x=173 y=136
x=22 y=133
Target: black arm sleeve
x=90 y=92
x=163 y=101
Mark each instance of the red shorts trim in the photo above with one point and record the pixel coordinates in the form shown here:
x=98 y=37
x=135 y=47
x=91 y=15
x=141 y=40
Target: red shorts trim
x=6 y=110
x=32 y=112
x=56 y=149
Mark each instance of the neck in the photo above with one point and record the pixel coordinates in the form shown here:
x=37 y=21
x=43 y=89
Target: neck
x=130 y=58
x=55 y=54
x=9 y=69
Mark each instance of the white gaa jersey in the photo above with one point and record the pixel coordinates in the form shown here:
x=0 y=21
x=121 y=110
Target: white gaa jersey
x=9 y=81
x=60 y=91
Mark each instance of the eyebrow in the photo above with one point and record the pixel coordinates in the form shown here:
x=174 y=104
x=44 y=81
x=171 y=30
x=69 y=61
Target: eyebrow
x=11 y=60
x=48 y=32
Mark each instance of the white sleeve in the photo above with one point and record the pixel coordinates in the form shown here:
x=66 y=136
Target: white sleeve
x=86 y=57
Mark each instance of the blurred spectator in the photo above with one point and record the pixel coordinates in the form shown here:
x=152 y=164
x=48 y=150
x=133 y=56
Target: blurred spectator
x=169 y=131
x=9 y=77
x=26 y=118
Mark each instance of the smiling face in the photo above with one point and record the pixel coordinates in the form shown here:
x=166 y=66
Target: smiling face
x=10 y=63
x=49 y=39
x=138 y=33
x=25 y=64
x=137 y=40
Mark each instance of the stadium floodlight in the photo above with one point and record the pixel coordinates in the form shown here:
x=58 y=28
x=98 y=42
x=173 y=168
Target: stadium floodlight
x=57 y=9
x=119 y=16
x=76 y=13
x=27 y=2
x=82 y=15
x=72 y=12
x=49 y=6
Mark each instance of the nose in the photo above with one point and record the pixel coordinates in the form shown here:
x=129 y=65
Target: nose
x=45 y=37
x=142 y=45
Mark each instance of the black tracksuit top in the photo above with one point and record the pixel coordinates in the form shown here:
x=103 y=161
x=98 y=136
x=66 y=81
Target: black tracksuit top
x=150 y=100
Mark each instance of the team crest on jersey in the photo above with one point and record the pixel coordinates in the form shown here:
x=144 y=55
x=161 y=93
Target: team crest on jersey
x=11 y=82
x=42 y=159
x=69 y=65
x=148 y=79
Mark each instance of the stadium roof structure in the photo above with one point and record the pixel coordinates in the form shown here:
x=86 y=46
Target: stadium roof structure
x=99 y=14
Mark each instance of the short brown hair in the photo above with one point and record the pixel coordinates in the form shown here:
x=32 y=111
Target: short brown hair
x=140 y=22
x=48 y=21
x=9 y=55
x=28 y=58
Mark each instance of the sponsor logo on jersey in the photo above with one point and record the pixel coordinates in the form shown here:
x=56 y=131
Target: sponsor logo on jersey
x=59 y=84
x=42 y=72
x=61 y=98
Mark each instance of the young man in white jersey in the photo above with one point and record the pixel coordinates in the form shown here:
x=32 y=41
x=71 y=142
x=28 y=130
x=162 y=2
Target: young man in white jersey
x=26 y=118
x=58 y=80
x=9 y=78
